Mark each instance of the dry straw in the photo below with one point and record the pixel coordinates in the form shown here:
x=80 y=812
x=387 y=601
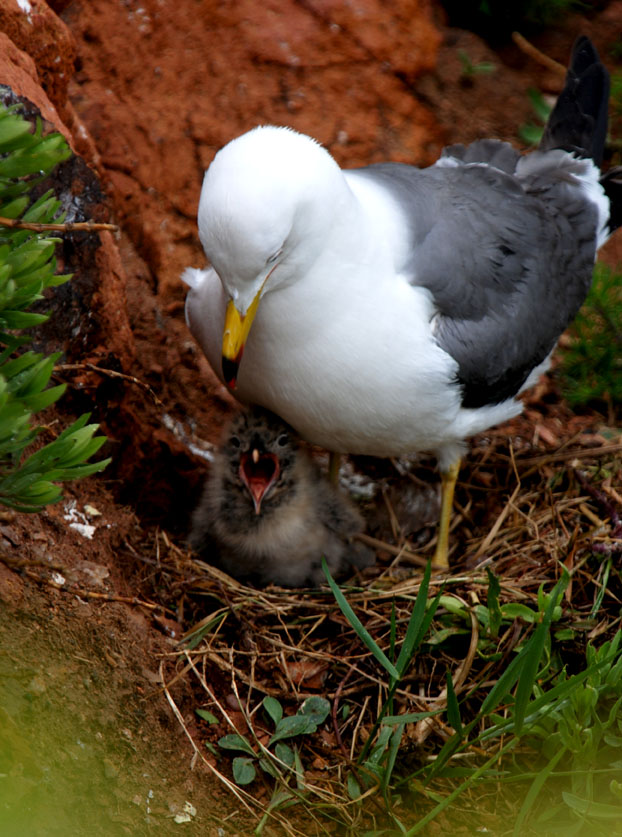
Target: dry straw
x=528 y=518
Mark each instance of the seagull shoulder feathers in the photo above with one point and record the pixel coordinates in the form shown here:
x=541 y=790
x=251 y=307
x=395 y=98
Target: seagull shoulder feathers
x=390 y=309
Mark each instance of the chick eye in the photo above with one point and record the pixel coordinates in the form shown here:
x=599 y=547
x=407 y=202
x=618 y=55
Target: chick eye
x=282 y=440
x=274 y=257
x=234 y=441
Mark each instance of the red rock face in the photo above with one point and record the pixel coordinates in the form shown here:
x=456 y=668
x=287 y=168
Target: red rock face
x=34 y=28
x=198 y=74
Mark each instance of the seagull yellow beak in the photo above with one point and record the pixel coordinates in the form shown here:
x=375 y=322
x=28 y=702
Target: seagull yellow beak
x=235 y=334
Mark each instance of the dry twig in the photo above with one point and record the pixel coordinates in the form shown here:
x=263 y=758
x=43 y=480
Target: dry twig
x=67 y=227
x=533 y=52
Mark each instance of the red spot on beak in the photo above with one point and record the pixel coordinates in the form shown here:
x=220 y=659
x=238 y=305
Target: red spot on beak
x=230 y=369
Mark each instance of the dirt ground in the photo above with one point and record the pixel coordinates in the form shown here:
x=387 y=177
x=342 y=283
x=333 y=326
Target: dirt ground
x=159 y=90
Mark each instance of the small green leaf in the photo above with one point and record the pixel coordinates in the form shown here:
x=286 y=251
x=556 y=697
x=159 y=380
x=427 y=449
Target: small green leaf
x=235 y=741
x=564 y=634
x=12 y=128
x=454 y=606
x=285 y=753
x=243 y=770
x=41 y=400
x=354 y=789
x=316 y=708
x=273 y=708
x=281 y=798
x=513 y=610
x=291 y=726
x=615 y=788
x=207 y=716
x=14 y=208
x=269 y=766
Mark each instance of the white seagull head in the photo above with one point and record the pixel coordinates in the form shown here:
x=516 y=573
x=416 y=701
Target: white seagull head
x=262 y=197
x=267 y=199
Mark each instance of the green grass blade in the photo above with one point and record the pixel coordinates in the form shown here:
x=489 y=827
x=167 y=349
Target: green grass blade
x=532 y=652
x=534 y=791
x=447 y=751
x=409 y=717
x=413 y=631
x=475 y=775
x=357 y=625
x=600 y=810
x=501 y=690
x=394 y=745
x=602 y=588
x=453 y=709
x=492 y=600
x=393 y=631
x=553 y=699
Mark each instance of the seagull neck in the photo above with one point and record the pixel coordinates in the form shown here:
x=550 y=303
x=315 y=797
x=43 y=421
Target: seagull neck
x=342 y=227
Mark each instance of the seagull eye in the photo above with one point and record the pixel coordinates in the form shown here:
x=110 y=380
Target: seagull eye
x=234 y=441
x=282 y=440
x=274 y=257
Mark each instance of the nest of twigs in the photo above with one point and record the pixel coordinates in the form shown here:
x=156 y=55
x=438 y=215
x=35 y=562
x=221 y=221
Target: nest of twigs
x=527 y=506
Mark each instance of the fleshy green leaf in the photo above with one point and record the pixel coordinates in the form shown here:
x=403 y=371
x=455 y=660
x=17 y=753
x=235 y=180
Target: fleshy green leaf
x=27 y=268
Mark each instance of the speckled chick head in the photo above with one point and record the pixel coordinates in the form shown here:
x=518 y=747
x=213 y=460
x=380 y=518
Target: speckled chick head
x=260 y=452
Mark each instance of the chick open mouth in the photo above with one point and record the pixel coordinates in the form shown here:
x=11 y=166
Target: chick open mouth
x=258 y=471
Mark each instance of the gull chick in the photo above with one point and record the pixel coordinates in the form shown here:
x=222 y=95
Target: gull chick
x=267 y=514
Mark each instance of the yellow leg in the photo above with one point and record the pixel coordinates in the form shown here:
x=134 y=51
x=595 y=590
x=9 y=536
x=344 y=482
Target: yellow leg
x=448 y=484
x=334 y=460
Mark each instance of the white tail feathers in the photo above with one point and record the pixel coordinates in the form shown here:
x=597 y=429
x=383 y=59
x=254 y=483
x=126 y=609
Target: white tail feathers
x=193 y=276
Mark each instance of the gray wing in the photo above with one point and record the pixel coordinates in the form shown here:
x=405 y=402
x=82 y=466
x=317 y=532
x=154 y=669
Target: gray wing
x=507 y=261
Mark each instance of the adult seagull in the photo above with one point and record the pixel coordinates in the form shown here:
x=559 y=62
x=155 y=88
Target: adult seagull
x=386 y=310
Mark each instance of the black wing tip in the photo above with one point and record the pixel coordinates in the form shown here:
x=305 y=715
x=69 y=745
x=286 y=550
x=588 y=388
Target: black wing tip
x=583 y=55
x=578 y=121
x=612 y=184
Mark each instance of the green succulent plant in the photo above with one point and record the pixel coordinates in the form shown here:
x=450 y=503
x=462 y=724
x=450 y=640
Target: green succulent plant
x=28 y=477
